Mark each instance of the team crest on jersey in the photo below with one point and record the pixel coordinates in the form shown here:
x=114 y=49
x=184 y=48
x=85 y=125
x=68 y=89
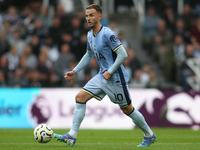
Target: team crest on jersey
x=113 y=38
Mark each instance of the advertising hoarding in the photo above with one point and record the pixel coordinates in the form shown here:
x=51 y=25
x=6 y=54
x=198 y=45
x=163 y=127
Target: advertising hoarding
x=25 y=108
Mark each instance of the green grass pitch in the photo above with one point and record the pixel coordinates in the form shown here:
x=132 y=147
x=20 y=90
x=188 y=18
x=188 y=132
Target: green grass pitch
x=167 y=139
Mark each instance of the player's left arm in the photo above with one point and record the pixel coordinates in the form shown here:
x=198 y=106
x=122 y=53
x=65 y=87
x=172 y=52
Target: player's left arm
x=121 y=56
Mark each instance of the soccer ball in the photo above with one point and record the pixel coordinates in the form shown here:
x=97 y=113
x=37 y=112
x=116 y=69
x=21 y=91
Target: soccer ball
x=43 y=133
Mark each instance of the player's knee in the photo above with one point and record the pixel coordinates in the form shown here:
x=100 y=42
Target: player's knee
x=80 y=98
x=127 y=110
x=83 y=97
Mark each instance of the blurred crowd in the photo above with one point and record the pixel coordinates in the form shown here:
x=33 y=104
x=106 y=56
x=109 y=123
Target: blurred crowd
x=171 y=39
x=38 y=46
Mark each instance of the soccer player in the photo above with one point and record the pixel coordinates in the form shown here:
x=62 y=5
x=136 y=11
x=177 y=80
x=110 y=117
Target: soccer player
x=111 y=80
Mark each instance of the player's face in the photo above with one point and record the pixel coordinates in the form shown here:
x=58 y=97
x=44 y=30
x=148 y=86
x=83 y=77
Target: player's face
x=92 y=18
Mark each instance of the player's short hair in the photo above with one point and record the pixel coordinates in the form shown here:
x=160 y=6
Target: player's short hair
x=97 y=7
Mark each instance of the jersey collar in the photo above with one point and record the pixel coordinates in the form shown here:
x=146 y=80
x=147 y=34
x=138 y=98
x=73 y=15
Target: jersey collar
x=99 y=31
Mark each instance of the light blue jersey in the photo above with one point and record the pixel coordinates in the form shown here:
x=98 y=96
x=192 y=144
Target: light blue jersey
x=104 y=45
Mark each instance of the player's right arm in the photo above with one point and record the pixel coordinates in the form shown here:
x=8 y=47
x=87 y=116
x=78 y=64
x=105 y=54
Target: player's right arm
x=70 y=75
x=82 y=64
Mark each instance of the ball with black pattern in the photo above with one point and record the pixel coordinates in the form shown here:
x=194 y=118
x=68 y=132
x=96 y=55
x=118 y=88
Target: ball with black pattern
x=43 y=133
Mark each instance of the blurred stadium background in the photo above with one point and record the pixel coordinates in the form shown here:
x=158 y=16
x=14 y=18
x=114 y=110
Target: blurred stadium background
x=40 y=40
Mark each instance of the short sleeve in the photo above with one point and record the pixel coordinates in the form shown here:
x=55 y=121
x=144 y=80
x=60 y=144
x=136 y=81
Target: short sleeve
x=112 y=40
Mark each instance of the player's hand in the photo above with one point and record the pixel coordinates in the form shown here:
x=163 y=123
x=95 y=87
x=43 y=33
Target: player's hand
x=106 y=75
x=70 y=75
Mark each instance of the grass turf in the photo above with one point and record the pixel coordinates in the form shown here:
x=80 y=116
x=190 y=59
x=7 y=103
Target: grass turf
x=167 y=139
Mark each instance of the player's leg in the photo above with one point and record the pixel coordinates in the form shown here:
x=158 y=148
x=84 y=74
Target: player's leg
x=91 y=89
x=79 y=113
x=121 y=97
x=138 y=119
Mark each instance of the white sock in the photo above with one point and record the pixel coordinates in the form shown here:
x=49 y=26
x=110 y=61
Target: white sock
x=148 y=133
x=73 y=133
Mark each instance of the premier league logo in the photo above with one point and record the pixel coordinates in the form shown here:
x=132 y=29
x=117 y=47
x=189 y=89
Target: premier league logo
x=40 y=110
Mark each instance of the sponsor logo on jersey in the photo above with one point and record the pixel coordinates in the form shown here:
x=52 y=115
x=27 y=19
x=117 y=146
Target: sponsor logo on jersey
x=113 y=38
